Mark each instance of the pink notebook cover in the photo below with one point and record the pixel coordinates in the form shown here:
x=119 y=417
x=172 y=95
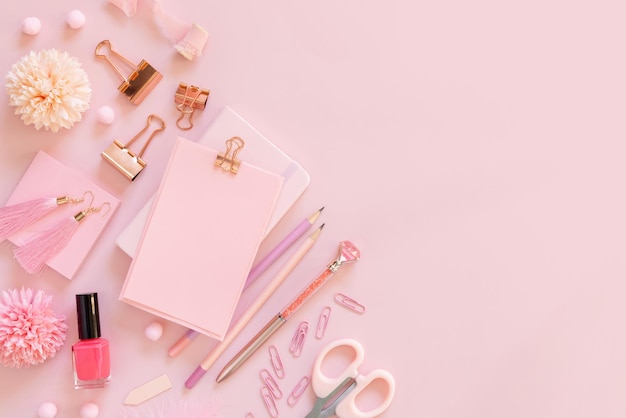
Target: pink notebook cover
x=200 y=240
x=47 y=177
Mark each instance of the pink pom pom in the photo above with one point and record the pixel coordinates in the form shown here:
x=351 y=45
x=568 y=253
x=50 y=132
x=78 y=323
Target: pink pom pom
x=106 y=115
x=30 y=332
x=31 y=26
x=47 y=410
x=154 y=331
x=89 y=410
x=75 y=19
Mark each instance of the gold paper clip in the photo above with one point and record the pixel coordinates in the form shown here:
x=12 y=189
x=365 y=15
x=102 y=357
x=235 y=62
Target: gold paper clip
x=228 y=161
x=188 y=99
x=139 y=82
x=127 y=162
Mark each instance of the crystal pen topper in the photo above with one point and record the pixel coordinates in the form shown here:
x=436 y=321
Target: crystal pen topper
x=347 y=253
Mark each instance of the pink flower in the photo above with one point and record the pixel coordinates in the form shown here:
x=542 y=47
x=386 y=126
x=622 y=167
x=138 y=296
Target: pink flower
x=30 y=332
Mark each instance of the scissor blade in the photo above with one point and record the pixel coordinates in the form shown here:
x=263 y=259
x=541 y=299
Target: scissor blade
x=326 y=406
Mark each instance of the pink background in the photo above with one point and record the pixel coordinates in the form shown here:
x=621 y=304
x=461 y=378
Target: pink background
x=472 y=150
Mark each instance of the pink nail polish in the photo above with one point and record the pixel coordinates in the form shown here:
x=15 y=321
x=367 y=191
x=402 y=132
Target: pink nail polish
x=90 y=355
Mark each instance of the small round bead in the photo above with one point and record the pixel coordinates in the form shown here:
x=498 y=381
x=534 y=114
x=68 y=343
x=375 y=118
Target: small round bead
x=75 y=19
x=31 y=26
x=106 y=115
x=154 y=331
x=47 y=410
x=89 y=410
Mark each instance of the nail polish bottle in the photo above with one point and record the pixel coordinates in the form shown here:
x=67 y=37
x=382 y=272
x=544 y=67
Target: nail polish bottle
x=90 y=354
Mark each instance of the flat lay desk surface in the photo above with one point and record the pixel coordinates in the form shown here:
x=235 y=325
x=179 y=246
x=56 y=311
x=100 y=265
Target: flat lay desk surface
x=473 y=151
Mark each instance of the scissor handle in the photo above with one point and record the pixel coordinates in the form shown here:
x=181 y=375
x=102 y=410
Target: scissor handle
x=348 y=408
x=322 y=384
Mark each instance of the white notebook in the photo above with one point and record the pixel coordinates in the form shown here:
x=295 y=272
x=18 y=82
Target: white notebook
x=259 y=151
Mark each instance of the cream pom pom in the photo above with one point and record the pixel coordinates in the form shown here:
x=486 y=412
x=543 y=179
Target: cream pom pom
x=47 y=410
x=49 y=89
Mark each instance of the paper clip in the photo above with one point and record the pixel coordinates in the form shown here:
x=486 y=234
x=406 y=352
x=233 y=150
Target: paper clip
x=322 y=322
x=126 y=161
x=228 y=160
x=297 y=342
x=277 y=362
x=270 y=382
x=349 y=303
x=188 y=99
x=139 y=82
x=269 y=401
x=298 y=391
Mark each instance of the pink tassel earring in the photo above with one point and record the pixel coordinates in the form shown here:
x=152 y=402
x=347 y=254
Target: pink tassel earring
x=35 y=252
x=16 y=217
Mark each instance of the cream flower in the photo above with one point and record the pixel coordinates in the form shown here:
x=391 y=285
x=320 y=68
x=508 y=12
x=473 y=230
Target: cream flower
x=49 y=89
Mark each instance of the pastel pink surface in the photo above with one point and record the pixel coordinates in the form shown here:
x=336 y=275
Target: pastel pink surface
x=473 y=151
x=201 y=239
x=47 y=177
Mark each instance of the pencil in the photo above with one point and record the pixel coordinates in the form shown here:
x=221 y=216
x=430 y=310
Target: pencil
x=347 y=253
x=255 y=272
x=245 y=318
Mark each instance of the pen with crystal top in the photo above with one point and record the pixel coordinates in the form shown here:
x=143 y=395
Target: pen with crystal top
x=347 y=253
x=255 y=272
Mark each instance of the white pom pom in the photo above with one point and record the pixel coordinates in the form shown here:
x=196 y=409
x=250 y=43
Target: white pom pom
x=47 y=410
x=31 y=26
x=89 y=410
x=154 y=331
x=75 y=19
x=106 y=115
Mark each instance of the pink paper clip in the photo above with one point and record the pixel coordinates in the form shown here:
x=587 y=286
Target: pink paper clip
x=297 y=342
x=266 y=393
x=271 y=384
x=277 y=362
x=298 y=391
x=349 y=303
x=322 y=323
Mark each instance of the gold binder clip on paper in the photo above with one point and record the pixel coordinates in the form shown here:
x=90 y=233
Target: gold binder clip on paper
x=139 y=82
x=188 y=99
x=127 y=162
x=228 y=161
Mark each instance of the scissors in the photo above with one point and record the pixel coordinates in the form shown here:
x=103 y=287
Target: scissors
x=337 y=395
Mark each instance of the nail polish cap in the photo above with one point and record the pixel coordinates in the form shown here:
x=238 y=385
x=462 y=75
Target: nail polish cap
x=88 y=316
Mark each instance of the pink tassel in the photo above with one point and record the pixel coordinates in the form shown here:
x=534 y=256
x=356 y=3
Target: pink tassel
x=34 y=254
x=18 y=216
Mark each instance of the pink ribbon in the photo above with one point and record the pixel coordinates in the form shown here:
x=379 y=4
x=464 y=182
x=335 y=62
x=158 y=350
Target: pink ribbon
x=187 y=38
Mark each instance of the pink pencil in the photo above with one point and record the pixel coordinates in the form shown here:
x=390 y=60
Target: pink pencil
x=306 y=245
x=255 y=272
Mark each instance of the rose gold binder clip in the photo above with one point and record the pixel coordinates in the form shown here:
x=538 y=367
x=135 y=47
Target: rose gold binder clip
x=270 y=403
x=297 y=342
x=188 y=99
x=322 y=322
x=298 y=391
x=228 y=160
x=139 y=82
x=126 y=161
x=349 y=303
x=277 y=362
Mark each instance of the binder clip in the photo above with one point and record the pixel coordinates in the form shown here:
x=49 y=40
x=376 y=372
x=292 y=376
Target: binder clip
x=123 y=159
x=188 y=99
x=141 y=80
x=228 y=160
